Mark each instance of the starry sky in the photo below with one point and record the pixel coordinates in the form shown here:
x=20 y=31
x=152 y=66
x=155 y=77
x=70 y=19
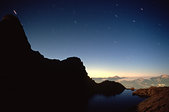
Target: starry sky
x=112 y=37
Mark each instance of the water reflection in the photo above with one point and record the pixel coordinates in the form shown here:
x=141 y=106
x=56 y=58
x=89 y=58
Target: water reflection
x=124 y=102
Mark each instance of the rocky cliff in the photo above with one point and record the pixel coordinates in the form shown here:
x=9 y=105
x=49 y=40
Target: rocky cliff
x=29 y=81
x=157 y=101
x=36 y=81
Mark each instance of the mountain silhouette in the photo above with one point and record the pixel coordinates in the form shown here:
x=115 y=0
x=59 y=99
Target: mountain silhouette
x=29 y=81
x=137 y=83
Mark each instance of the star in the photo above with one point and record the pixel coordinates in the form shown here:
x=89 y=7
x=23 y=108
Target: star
x=116 y=4
x=74 y=12
x=141 y=9
x=159 y=24
x=116 y=16
x=53 y=5
x=158 y=43
x=133 y=20
x=75 y=21
x=109 y=27
x=115 y=42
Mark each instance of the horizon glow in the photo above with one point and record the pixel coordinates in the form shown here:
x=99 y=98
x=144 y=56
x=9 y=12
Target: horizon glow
x=124 y=38
x=94 y=73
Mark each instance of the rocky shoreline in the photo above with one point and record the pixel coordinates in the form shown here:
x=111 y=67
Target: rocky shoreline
x=157 y=101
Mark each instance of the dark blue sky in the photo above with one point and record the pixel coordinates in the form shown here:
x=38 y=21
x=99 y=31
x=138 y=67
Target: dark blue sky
x=112 y=37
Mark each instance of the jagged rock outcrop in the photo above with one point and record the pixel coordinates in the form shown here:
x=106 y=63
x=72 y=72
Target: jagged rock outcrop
x=37 y=82
x=109 y=88
x=157 y=101
x=28 y=81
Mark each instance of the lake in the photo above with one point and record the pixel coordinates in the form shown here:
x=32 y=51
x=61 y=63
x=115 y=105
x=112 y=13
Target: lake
x=124 y=102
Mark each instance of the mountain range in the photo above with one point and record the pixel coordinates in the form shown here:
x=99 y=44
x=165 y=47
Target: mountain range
x=159 y=81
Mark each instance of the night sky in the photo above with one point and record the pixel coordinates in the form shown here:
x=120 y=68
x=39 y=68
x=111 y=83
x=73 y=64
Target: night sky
x=112 y=37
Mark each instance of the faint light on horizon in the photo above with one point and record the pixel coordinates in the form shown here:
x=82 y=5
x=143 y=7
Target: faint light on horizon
x=98 y=73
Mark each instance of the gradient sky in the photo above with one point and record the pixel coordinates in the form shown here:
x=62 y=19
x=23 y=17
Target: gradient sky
x=112 y=37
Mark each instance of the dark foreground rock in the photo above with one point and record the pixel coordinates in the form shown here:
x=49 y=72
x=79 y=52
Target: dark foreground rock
x=109 y=88
x=31 y=82
x=158 y=100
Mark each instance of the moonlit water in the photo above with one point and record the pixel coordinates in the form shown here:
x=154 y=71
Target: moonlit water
x=124 y=102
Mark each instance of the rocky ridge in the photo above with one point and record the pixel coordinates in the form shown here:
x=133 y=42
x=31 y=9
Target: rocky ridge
x=29 y=81
x=157 y=101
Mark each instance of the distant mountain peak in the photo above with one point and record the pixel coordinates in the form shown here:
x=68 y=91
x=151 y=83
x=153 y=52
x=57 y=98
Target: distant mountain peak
x=164 y=76
x=116 y=77
x=140 y=79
